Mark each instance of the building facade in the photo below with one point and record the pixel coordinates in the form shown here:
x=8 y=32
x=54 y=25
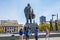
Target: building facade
x=42 y=19
x=10 y=26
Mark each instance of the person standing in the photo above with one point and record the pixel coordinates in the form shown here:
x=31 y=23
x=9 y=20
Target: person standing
x=27 y=33
x=21 y=34
x=36 y=33
x=47 y=34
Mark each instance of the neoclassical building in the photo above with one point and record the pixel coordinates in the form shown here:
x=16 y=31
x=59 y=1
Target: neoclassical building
x=10 y=26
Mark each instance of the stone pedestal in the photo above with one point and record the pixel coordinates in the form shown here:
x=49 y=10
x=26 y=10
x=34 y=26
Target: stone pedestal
x=32 y=26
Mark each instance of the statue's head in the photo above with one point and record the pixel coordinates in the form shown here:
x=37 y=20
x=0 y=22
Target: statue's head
x=28 y=4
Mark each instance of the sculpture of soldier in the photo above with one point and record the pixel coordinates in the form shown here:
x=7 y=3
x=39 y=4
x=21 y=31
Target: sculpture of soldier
x=29 y=13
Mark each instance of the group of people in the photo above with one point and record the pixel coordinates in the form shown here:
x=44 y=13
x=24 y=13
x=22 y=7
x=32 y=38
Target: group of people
x=27 y=32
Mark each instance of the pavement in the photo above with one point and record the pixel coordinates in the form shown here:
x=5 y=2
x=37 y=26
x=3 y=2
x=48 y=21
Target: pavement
x=8 y=34
x=53 y=36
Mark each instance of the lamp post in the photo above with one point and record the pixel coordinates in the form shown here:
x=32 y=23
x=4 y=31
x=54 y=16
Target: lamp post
x=51 y=22
x=57 y=16
x=51 y=28
x=56 y=21
x=53 y=16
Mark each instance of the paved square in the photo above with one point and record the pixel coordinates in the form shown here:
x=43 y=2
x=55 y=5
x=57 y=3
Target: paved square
x=53 y=38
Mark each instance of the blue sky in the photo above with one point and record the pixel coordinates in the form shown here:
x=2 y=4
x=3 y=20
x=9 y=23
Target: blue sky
x=14 y=9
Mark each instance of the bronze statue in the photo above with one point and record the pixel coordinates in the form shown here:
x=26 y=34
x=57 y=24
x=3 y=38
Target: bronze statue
x=29 y=13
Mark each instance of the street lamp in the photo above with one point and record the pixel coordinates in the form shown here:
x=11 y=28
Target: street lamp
x=56 y=21
x=57 y=16
x=51 y=28
x=52 y=17
x=51 y=22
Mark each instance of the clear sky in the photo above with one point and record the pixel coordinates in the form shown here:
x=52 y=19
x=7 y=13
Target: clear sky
x=14 y=9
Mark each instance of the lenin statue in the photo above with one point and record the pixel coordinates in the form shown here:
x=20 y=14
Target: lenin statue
x=29 y=13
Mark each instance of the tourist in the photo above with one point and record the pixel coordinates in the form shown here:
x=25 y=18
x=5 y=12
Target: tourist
x=27 y=32
x=36 y=33
x=47 y=34
x=21 y=34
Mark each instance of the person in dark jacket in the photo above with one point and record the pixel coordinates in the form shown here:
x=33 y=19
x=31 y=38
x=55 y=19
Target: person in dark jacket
x=27 y=33
x=21 y=34
x=36 y=33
